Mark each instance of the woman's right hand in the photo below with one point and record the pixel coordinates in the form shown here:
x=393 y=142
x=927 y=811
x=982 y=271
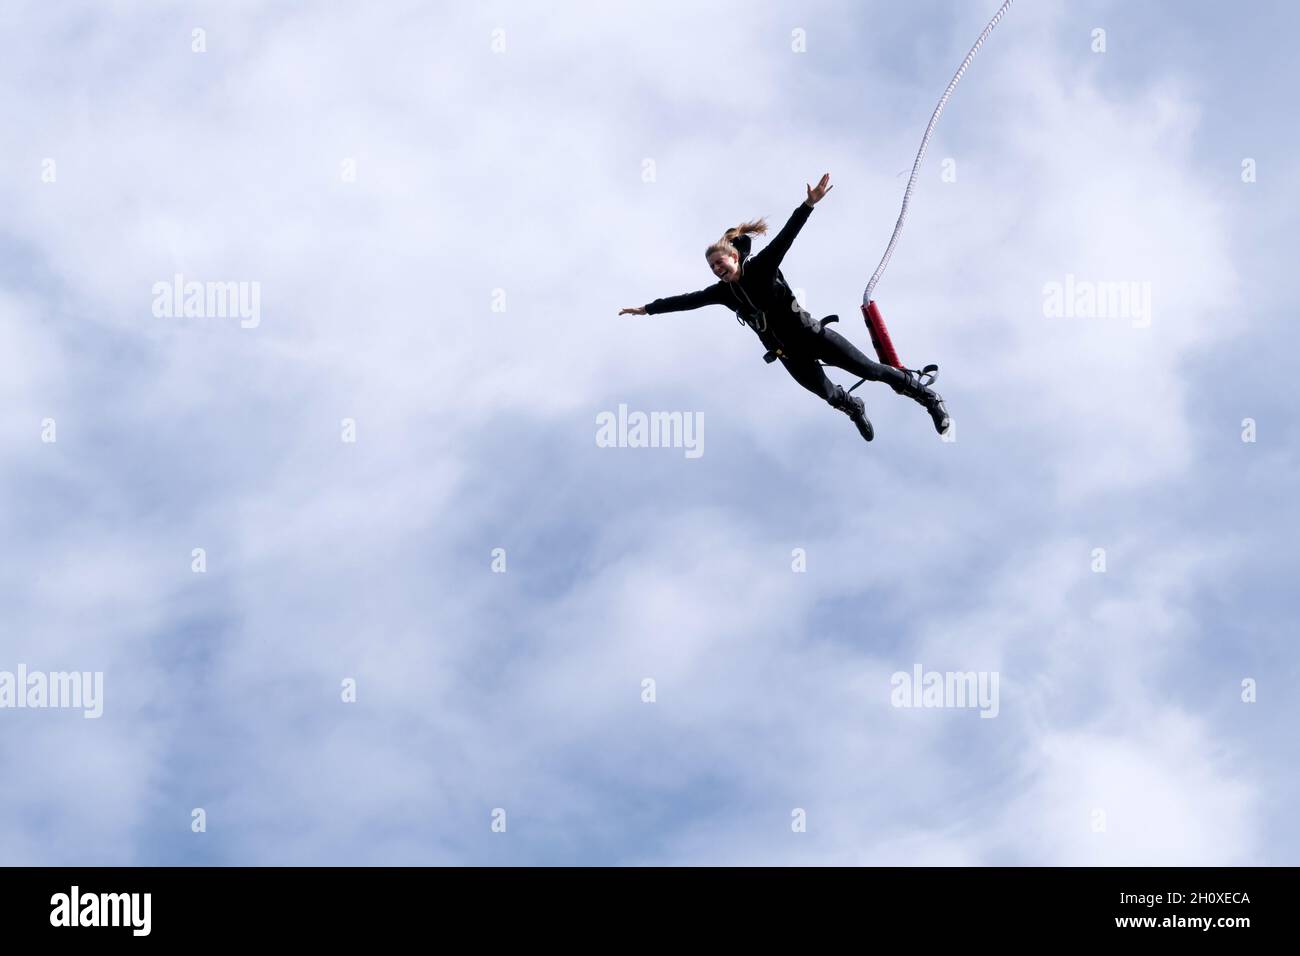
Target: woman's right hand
x=639 y=310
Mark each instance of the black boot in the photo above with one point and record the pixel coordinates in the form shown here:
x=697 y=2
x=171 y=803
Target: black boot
x=856 y=409
x=924 y=396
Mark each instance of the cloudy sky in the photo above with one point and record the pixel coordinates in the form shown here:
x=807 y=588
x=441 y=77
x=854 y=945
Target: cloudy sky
x=443 y=207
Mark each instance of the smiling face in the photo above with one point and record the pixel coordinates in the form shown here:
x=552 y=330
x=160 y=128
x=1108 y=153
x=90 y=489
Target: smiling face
x=725 y=265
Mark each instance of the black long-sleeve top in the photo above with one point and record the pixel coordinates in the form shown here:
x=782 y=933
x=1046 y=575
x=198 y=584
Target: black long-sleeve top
x=760 y=296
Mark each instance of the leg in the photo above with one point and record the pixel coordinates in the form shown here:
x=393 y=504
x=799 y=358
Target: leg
x=841 y=353
x=838 y=351
x=809 y=374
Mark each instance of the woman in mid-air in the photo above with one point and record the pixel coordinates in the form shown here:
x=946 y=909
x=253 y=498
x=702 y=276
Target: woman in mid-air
x=754 y=289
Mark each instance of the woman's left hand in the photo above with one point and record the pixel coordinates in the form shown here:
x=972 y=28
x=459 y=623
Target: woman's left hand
x=815 y=195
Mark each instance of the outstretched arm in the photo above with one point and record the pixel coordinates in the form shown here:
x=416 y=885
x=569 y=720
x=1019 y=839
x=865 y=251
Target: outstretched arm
x=681 y=303
x=772 y=254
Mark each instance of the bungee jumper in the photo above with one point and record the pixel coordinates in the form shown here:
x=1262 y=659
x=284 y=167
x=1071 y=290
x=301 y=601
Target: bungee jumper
x=753 y=287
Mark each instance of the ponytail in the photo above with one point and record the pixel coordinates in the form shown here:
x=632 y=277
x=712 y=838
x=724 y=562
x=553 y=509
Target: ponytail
x=756 y=228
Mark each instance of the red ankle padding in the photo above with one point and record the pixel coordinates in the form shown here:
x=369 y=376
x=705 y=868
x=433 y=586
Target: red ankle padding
x=880 y=335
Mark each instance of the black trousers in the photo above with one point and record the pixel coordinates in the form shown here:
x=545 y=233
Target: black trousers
x=834 y=349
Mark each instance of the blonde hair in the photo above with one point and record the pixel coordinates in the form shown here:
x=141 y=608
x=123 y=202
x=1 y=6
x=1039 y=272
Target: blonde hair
x=756 y=228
